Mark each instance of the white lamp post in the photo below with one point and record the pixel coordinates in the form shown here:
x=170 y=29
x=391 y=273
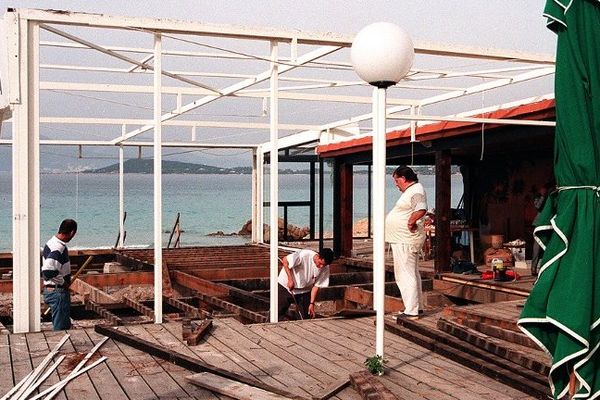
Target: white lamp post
x=382 y=54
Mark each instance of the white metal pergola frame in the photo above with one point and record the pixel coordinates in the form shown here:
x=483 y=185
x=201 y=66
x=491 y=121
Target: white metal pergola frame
x=22 y=31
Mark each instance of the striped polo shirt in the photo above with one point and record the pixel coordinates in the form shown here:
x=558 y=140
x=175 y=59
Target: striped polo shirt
x=56 y=267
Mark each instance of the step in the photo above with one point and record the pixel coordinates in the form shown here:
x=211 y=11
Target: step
x=508 y=335
x=497 y=347
x=507 y=372
x=471 y=313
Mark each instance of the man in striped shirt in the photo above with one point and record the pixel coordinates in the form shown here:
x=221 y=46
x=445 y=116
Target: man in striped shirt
x=56 y=273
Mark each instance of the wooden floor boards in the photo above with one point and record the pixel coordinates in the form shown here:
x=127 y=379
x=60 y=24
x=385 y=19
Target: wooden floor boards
x=304 y=357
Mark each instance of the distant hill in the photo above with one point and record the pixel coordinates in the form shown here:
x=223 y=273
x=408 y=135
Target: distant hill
x=145 y=166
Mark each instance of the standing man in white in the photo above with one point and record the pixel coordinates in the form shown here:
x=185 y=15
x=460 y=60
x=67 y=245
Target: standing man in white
x=404 y=231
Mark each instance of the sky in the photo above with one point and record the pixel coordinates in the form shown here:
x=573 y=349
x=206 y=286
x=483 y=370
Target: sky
x=500 y=24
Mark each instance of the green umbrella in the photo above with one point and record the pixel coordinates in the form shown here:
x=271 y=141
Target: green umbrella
x=562 y=313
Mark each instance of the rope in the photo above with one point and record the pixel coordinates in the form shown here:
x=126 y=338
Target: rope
x=594 y=188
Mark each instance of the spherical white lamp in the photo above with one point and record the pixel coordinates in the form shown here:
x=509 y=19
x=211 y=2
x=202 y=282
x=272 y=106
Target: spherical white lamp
x=382 y=54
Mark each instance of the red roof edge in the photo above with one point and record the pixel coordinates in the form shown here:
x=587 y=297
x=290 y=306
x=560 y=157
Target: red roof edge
x=532 y=111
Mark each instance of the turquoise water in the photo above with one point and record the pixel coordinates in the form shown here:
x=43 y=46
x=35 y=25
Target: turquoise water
x=207 y=203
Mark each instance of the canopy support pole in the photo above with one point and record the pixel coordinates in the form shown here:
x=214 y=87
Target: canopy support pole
x=26 y=184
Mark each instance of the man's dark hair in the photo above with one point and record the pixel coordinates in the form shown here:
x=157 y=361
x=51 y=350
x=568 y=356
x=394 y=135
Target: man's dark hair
x=407 y=173
x=68 y=226
x=327 y=255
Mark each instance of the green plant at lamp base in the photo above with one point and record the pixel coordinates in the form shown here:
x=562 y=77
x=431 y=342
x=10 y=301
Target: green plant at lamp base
x=375 y=365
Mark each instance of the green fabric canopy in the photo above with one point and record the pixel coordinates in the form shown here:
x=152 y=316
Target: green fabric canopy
x=562 y=313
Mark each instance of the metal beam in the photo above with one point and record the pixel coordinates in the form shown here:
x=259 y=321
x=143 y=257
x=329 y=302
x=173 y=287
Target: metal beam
x=187 y=123
x=125 y=58
x=482 y=120
x=234 y=88
x=284 y=93
x=285 y=35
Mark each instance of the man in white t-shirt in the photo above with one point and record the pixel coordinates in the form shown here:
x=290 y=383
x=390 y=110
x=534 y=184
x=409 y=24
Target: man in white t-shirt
x=404 y=231
x=303 y=273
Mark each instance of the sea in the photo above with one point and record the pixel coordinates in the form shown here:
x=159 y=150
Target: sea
x=206 y=203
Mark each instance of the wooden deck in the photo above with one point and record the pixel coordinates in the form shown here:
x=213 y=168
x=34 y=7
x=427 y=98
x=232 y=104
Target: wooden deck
x=304 y=357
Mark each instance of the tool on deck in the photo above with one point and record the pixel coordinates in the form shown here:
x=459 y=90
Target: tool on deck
x=293 y=297
x=83 y=266
x=297 y=306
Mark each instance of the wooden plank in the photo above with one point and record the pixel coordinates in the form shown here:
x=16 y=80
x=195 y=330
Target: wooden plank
x=403 y=384
x=118 y=279
x=199 y=332
x=312 y=378
x=365 y=297
x=20 y=358
x=6 y=378
x=157 y=333
x=211 y=351
x=39 y=349
x=104 y=382
x=192 y=364
x=201 y=285
x=269 y=364
x=166 y=281
x=505 y=350
x=332 y=357
x=483 y=315
x=231 y=388
x=81 y=387
x=332 y=389
x=508 y=335
x=445 y=375
x=151 y=369
x=472 y=293
x=512 y=375
x=125 y=373
x=94 y=294
x=461 y=376
x=324 y=368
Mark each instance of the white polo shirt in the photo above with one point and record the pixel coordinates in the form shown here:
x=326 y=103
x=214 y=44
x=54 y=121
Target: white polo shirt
x=396 y=223
x=305 y=272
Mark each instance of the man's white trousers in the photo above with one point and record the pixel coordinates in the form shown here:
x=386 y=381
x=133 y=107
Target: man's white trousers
x=408 y=279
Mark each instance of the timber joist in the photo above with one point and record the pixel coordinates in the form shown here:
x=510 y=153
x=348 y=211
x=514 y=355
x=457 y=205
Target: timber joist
x=103 y=312
x=139 y=307
x=226 y=305
x=189 y=310
x=228 y=280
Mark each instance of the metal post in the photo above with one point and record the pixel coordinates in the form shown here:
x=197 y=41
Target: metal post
x=321 y=202
x=26 y=184
x=379 y=147
x=369 y=199
x=273 y=186
x=254 y=195
x=122 y=192
x=260 y=184
x=157 y=180
x=312 y=200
